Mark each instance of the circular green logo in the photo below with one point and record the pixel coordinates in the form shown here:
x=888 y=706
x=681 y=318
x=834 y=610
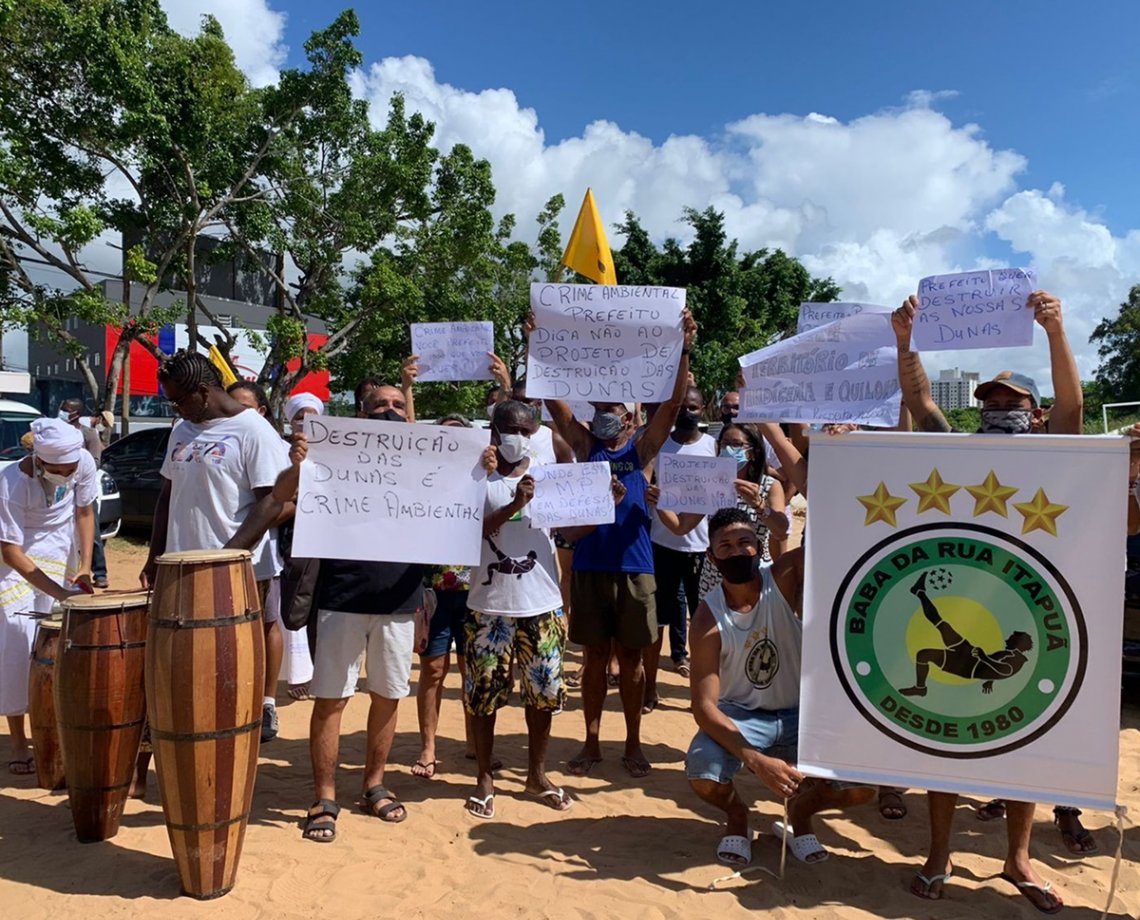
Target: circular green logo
x=958 y=640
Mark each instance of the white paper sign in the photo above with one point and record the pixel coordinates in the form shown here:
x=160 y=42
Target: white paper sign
x=983 y=309
x=701 y=485
x=571 y=495
x=453 y=351
x=814 y=315
x=846 y=371
x=582 y=410
x=604 y=342
x=962 y=615
x=392 y=492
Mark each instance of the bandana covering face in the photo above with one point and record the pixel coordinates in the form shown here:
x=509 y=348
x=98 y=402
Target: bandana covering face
x=1007 y=421
x=606 y=426
x=55 y=441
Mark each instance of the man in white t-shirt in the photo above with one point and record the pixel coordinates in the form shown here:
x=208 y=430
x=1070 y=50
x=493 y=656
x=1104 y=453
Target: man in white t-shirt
x=47 y=518
x=515 y=615
x=218 y=475
x=677 y=560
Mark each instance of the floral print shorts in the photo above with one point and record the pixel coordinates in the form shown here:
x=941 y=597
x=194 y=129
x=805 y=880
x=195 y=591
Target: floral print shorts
x=533 y=643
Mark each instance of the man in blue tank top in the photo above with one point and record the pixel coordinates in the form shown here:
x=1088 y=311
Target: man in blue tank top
x=612 y=587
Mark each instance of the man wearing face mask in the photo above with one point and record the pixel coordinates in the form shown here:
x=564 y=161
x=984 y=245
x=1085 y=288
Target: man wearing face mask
x=677 y=558
x=612 y=586
x=46 y=513
x=514 y=615
x=1010 y=405
x=746 y=641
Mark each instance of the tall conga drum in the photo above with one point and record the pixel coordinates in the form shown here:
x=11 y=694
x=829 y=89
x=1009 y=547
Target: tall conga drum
x=205 y=680
x=41 y=704
x=100 y=706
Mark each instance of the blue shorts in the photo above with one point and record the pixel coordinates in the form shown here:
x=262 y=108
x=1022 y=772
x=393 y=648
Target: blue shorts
x=774 y=732
x=447 y=624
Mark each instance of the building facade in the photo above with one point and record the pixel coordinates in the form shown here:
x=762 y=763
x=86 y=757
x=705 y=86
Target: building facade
x=954 y=389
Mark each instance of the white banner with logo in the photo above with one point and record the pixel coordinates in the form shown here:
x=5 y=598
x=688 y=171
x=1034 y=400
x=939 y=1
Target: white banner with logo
x=963 y=608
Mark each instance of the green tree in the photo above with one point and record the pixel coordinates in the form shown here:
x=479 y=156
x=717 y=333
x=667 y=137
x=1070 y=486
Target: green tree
x=742 y=301
x=1118 y=342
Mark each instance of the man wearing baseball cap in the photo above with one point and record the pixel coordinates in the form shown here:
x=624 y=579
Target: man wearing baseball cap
x=1011 y=404
x=46 y=508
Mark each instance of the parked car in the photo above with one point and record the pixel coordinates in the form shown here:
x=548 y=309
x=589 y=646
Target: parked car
x=15 y=421
x=136 y=463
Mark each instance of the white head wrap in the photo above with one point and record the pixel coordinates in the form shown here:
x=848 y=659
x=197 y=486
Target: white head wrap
x=54 y=441
x=295 y=404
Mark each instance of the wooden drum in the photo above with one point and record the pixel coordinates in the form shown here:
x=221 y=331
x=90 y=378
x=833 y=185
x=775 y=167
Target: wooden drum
x=205 y=680
x=41 y=704
x=100 y=705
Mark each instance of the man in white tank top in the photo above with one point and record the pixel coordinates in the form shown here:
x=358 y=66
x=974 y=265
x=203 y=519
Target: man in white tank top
x=745 y=645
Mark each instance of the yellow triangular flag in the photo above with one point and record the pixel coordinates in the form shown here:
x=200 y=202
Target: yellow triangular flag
x=588 y=251
x=219 y=361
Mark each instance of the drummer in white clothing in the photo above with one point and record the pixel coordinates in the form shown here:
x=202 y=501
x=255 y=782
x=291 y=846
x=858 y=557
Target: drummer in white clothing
x=745 y=640
x=47 y=520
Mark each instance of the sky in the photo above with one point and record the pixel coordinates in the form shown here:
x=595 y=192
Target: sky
x=878 y=142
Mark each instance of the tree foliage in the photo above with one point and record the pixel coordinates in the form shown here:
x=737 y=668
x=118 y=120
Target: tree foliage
x=1119 y=350
x=741 y=301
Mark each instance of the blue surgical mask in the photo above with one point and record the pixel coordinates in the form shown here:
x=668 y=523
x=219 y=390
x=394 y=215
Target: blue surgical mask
x=739 y=454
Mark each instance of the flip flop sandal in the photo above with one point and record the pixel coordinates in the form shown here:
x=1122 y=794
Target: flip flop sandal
x=683 y=669
x=581 y=766
x=325 y=831
x=1046 y=892
x=485 y=804
x=424 y=769
x=991 y=811
x=636 y=768
x=801 y=847
x=25 y=767
x=378 y=794
x=931 y=887
x=300 y=694
x=734 y=850
x=892 y=802
x=557 y=799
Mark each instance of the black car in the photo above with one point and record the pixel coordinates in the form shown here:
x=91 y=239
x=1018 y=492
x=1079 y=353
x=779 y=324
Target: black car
x=136 y=463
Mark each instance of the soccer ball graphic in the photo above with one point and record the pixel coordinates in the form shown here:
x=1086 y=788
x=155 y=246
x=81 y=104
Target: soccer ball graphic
x=939 y=579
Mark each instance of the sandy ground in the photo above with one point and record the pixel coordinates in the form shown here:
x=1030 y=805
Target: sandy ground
x=633 y=848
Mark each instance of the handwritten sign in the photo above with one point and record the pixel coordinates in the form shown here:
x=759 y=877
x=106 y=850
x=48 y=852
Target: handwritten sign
x=975 y=310
x=571 y=495
x=604 y=342
x=846 y=371
x=814 y=315
x=702 y=485
x=391 y=491
x=453 y=351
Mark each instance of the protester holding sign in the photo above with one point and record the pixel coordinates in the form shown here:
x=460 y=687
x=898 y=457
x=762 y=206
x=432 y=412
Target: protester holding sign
x=1010 y=403
x=514 y=616
x=612 y=585
x=746 y=643
x=677 y=557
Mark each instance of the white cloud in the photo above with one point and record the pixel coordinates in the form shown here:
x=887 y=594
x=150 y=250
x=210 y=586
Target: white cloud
x=253 y=30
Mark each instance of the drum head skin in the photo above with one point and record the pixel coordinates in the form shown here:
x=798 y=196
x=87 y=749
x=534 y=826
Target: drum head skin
x=192 y=556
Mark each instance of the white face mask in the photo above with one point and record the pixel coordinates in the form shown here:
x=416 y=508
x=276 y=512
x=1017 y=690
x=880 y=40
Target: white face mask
x=64 y=416
x=491 y=410
x=514 y=447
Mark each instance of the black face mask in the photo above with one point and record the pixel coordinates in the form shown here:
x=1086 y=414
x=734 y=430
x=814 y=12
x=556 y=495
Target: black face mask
x=737 y=570
x=728 y=416
x=686 y=420
x=388 y=415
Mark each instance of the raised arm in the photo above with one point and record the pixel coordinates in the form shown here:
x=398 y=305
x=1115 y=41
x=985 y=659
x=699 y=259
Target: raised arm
x=650 y=443
x=792 y=462
x=912 y=376
x=1067 y=414
x=409 y=370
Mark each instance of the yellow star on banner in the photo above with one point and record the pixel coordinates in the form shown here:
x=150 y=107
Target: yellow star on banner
x=1040 y=514
x=881 y=506
x=991 y=495
x=934 y=494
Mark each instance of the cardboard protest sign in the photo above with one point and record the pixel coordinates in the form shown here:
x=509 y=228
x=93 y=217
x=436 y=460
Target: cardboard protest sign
x=962 y=615
x=604 y=342
x=392 y=492
x=846 y=371
x=571 y=495
x=453 y=351
x=702 y=485
x=813 y=315
x=984 y=309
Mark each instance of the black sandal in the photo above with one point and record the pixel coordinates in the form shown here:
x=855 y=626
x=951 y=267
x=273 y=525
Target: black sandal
x=376 y=794
x=328 y=809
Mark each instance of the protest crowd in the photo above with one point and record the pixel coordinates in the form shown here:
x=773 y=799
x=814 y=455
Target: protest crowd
x=585 y=542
